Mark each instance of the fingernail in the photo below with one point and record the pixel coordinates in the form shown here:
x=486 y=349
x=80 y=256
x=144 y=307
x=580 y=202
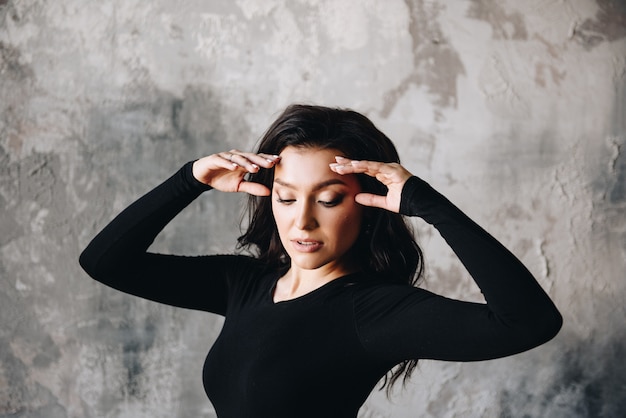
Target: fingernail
x=255 y=166
x=339 y=157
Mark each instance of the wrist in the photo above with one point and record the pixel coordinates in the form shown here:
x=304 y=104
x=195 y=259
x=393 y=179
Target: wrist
x=193 y=175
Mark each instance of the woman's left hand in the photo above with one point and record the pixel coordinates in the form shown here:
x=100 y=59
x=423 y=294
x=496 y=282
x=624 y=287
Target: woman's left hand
x=392 y=175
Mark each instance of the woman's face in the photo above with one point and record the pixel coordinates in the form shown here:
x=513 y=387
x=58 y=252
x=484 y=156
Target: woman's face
x=317 y=218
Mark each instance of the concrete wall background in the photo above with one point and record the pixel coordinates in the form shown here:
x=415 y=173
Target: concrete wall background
x=514 y=110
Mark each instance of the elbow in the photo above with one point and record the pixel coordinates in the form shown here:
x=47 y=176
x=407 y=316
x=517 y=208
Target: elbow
x=547 y=326
x=555 y=324
x=88 y=261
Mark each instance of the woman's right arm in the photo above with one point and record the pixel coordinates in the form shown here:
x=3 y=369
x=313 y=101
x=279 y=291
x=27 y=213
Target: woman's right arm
x=118 y=255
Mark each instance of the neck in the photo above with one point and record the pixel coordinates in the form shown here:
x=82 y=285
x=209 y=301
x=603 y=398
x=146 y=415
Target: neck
x=298 y=282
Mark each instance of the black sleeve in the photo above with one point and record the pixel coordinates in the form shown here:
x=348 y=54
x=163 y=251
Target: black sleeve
x=401 y=322
x=118 y=255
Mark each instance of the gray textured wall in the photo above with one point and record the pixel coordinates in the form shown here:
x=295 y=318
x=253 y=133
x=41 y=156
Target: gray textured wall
x=515 y=110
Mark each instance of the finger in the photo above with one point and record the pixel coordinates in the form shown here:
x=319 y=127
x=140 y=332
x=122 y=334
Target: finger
x=249 y=161
x=226 y=164
x=346 y=166
x=264 y=160
x=386 y=173
x=241 y=160
x=245 y=163
x=373 y=200
x=352 y=169
x=375 y=168
x=228 y=157
x=370 y=168
x=253 y=188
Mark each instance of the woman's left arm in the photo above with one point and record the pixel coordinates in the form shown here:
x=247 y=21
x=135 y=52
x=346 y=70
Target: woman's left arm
x=518 y=315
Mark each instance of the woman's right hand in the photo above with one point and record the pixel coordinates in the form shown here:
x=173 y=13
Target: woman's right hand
x=225 y=171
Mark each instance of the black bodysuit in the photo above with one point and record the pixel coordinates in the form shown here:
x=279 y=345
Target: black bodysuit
x=320 y=355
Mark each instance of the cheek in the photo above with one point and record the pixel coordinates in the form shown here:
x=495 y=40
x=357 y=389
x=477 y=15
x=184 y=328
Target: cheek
x=281 y=218
x=349 y=225
x=277 y=217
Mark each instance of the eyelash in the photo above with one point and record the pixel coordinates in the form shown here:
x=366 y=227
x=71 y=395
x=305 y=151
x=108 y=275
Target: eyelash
x=285 y=201
x=327 y=204
x=332 y=203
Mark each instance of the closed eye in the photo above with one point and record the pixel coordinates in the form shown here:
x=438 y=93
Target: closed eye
x=330 y=203
x=285 y=201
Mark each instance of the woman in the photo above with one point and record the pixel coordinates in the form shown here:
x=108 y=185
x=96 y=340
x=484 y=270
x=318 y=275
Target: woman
x=326 y=307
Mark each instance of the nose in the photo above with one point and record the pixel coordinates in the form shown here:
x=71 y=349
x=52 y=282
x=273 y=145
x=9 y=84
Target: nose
x=305 y=218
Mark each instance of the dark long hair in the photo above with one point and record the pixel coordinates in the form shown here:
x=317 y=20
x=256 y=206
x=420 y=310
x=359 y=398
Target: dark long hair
x=386 y=240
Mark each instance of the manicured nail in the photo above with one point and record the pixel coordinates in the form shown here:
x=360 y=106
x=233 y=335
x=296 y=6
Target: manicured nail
x=338 y=157
x=255 y=166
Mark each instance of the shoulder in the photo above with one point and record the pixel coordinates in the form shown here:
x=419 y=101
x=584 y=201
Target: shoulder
x=246 y=271
x=232 y=268
x=377 y=297
x=241 y=265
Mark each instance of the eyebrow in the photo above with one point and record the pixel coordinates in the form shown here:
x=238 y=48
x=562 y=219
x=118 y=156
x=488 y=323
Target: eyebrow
x=317 y=187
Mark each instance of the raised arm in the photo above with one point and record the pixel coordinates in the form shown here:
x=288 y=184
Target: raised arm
x=414 y=323
x=118 y=255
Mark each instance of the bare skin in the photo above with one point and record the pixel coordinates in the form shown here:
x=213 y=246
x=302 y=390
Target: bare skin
x=316 y=203
x=317 y=218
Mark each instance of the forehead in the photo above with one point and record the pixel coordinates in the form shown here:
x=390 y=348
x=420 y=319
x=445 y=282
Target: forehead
x=307 y=167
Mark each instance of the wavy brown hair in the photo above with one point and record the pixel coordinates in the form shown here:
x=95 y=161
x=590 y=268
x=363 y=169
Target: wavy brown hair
x=386 y=240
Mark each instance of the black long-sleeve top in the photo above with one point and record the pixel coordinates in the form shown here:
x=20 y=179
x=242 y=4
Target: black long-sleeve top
x=320 y=355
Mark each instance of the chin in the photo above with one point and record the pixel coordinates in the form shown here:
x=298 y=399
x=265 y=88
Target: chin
x=308 y=264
